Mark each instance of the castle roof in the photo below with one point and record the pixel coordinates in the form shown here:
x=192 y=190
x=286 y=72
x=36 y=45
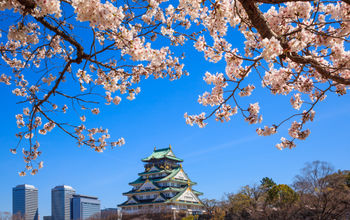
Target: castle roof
x=169 y=177
x=164 y=153
x=176 y=199
x=161 y=190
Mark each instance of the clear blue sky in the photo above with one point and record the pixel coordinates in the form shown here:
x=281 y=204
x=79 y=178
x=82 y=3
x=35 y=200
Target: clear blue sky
x=221 y=157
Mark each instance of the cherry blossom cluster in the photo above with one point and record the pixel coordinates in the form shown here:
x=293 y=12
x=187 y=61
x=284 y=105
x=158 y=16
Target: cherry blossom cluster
x=298 y=49
x=297 y=46
x=124 y=32
x=102 y=15
x=44 y=7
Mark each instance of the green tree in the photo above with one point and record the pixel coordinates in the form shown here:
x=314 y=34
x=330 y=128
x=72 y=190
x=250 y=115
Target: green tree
x=267 y=182
x=281 y=196
x=190 y=217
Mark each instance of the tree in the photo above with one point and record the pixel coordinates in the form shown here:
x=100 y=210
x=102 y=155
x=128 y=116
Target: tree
x=190 y=217
x=6 y=216
x=324 y=194
x=213 y=209
x=245 y=204
x=281 y=195
x=297 y=48
x=267 y=183
x=313 y=177
x=348 y=179
x=319 y=193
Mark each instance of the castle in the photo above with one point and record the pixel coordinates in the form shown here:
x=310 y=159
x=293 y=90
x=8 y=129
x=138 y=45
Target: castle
x=162 y=187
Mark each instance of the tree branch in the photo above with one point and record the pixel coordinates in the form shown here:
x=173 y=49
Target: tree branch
x=281 y=1
x=80 y=49
x=258 y=20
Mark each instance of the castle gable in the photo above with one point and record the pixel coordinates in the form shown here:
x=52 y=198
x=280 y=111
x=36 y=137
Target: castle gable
x=154 y=168
x=131 y=201
x=159 y=199
x=188 y=196
x=148 y=185
x=181 y=175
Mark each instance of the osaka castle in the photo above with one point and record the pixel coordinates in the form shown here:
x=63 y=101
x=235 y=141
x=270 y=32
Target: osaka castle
x=162 y=187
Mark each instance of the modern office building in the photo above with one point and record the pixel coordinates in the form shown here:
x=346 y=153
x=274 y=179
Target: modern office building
x=61 y=198
x=47 y=218
x=25 y=202
x=85 y=207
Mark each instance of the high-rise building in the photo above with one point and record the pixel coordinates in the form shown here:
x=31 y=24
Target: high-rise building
x=162 y=187
x=85 y=207
x=61 y=198
x=25 y=202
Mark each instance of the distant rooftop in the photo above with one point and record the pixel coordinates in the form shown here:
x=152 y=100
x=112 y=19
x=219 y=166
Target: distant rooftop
x=25 y=186
x=65 y=187
x=85 y=196
x=110 y=209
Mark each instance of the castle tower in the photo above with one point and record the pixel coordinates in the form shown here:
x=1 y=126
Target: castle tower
x=162 y=187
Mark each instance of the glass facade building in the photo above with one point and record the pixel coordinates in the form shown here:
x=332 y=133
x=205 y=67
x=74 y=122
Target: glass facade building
x=61 y=199
x=85 y=207
x=25 y=202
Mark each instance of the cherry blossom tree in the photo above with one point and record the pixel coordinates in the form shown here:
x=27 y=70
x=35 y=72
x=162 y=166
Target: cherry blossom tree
x=105 y=48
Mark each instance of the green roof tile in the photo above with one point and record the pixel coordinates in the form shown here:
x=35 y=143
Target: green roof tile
x=170 y=200
x=161 y=154
x=160 y=202
x=133 y=192
x=155 y=172
x=172 y=174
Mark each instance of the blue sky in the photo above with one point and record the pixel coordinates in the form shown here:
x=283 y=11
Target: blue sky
x=221 y=157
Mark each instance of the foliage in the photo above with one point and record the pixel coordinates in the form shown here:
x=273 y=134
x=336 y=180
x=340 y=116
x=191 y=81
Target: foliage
x=101 y=50
x=8 y=216
x=330 y=199
x=267 y=183
x=190 y=217
x=281 y=195
x=163 y=215
x=348 y=180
